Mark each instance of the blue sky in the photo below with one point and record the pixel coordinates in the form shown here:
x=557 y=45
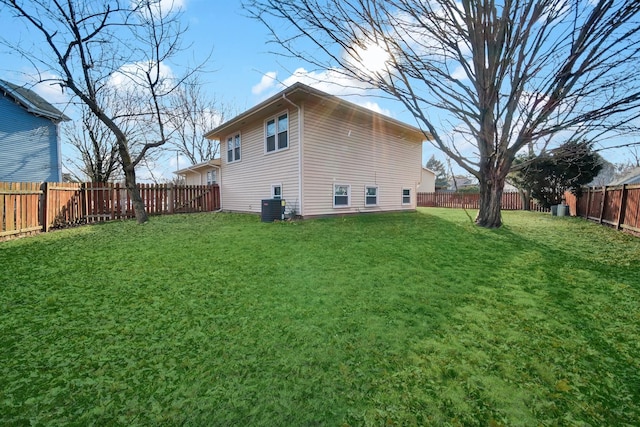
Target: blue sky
x=244 y=71
x=243 y=68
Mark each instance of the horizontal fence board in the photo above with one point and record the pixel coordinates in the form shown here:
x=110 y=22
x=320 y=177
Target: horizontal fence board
x=21 y=231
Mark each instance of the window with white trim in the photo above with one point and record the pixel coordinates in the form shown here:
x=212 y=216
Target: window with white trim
x=277 y=133
x=371 y=195
x=276 y=191
x=211 y=177
x=406 y=196
x=341 y=196
x=233 y=148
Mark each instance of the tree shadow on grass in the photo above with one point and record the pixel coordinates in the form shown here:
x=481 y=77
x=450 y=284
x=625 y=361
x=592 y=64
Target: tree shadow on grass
x=558 y=322
x=413 y=318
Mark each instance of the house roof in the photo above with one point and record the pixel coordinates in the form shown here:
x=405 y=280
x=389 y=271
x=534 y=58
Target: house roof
x=631 y=177
x=297 y=92
x=461 y=182
x=32 y=102
x=429 y=170
x=199 y=167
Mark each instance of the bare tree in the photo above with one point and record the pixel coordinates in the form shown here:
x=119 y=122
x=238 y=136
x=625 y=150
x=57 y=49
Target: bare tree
x=98 y=152
x=634 y=155
x=500 y=76
x=191 y=115
x=99 y=45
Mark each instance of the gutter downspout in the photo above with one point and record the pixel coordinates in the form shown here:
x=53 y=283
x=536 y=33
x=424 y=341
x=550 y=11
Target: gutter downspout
x=300 y=126
x=219 y=182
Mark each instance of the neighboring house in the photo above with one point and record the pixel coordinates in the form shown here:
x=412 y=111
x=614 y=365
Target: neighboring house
x=509 y=188
x=205 y=173
x=461 y=183
x=427 y=181
x=323 y=155
x=631 y=177
x=29 y=136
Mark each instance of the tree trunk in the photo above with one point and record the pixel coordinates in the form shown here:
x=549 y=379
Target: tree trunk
x=130 y=183
x=525 y=197
x=132 y=187
x=489 y=214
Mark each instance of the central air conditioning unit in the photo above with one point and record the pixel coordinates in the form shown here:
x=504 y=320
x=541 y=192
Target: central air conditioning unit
x=273 y=210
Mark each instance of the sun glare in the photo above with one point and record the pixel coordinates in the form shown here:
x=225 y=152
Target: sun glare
x=372 y=57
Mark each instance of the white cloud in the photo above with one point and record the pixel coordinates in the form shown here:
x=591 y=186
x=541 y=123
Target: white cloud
x=335 y=83
x=267 y=82
x=174 y=4
x=459 y=73
x=51 y=91
x=374 y=106
x=132 y=76
x=160 y=8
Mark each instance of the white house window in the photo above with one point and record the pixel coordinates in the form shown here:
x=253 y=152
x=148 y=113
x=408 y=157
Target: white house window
x=277 y=133
x=233 y=148
x=371 y=195
x=406 y=196
x=276 y=191
x=211 y=177
x=341 y=195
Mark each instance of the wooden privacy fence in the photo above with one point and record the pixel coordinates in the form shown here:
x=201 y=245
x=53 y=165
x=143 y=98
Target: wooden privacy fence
x=20 y=208
x=30 y=207
x=510 y=201
x=617 y=205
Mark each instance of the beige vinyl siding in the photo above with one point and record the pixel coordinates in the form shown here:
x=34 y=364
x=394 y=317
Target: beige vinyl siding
x=194 y=178
x=245 y=183
x=341 y=147
x=428 y=184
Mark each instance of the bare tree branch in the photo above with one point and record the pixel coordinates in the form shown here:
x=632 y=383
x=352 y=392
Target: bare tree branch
x=508 y=75
x=105 y=49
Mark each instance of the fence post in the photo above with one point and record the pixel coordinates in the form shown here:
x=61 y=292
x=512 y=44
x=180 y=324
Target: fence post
x=604 y=199
x=588 y=204
x=44 y=206
x=171 y=197
x=623 y=207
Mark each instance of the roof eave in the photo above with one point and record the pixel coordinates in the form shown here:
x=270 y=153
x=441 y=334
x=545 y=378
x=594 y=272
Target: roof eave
x=213 y=163
x=218 y=132
x=31 y=107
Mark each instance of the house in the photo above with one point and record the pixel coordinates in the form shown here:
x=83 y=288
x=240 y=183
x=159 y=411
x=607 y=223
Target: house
x=631 y=177
x=461 y=183
x=29 y=136
x=205 y=173
x=427 y=181
x=509 y=188
x=321 y=154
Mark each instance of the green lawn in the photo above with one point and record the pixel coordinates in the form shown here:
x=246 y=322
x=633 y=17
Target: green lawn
x=395 y=319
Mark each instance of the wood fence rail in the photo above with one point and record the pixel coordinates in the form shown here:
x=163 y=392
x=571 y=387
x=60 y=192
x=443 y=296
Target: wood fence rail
x=510 y=201
x=29 y=207
x=616 y=205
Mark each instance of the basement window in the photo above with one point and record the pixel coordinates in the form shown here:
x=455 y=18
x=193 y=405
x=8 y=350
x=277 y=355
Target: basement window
x=371 y=195
x=341 y=196
x=406 y=196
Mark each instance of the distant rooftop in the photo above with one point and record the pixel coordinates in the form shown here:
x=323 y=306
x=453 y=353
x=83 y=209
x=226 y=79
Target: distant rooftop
x=631 y=177
x=32 y=102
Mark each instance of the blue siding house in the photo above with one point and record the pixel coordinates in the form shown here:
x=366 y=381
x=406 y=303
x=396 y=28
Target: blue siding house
x=29 y=136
